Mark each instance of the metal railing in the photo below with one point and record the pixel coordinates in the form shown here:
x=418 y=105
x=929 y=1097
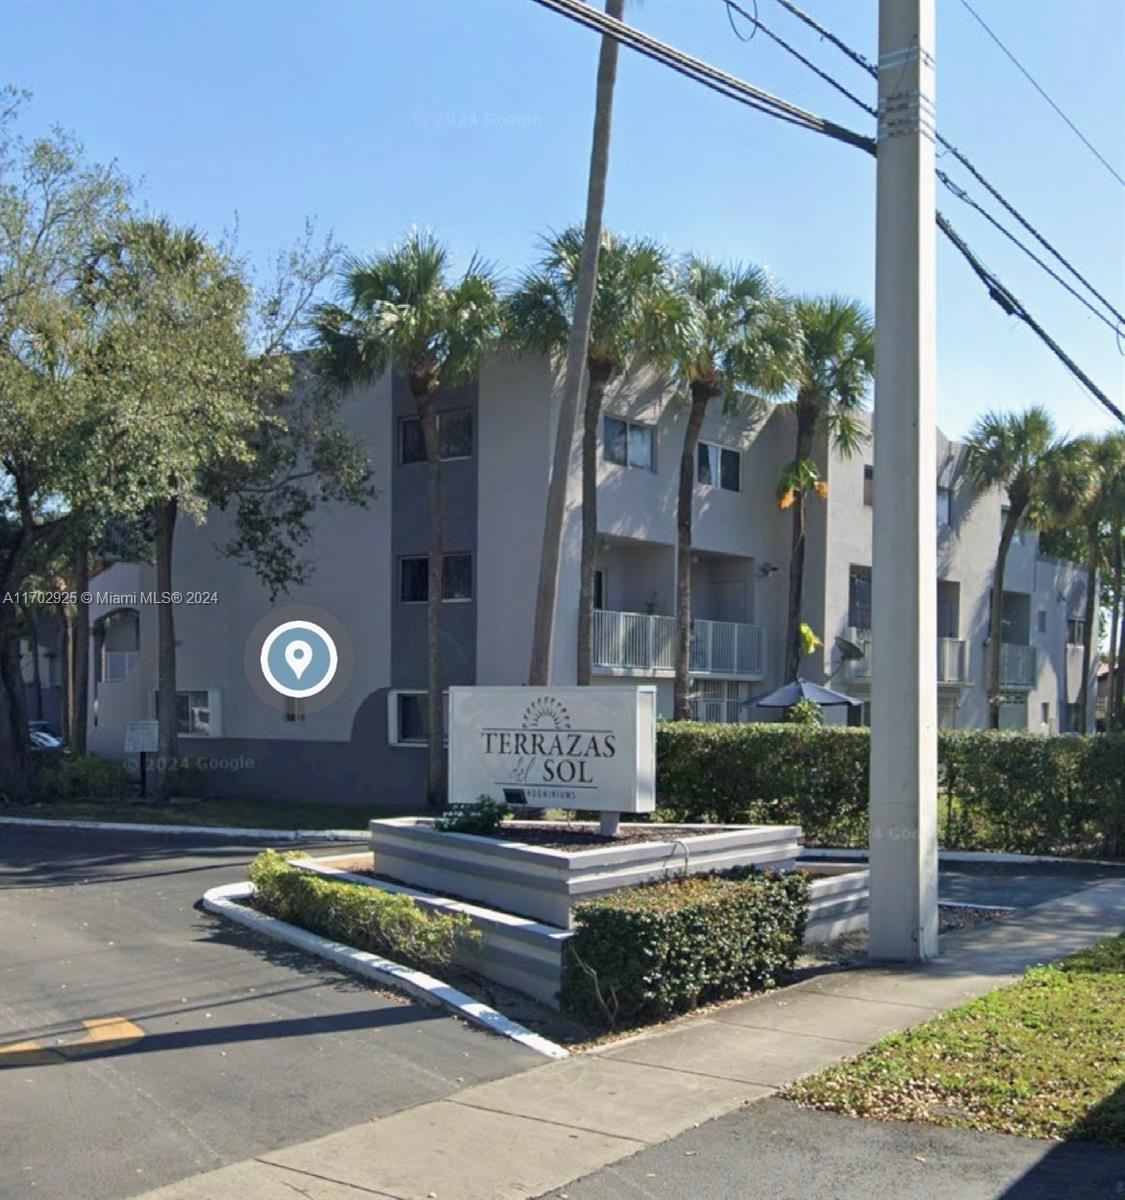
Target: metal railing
x=1017 y=665
x=951 y=658
x=647 y=642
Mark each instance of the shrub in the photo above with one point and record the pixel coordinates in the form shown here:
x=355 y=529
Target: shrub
x=365 y=917
x=805 y=712
x=1019 y=792
x=483 y=816
x=649 y=952
x=83 y=777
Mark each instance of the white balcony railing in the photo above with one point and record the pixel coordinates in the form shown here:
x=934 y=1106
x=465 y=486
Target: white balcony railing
x=117 y=664
x=951 y=658
x=647 y=642
x=1017 y=665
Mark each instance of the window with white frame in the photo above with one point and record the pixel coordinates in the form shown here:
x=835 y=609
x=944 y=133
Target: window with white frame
x=947 y=712
x=1075 y=631
x=407 y=718
x=629 y=444
x=456 y=578
x=944 y=506
x=718 y=466
x=1013 y=714
x=197 y=713
x=720 y=700
x=455 y=436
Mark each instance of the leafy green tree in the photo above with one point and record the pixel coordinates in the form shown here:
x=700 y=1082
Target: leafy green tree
x=52 y=203
x=836 y=364
x=634 y=283
x=539 y=670
x=737 y=340
x=1021 y=454
x=400 y=309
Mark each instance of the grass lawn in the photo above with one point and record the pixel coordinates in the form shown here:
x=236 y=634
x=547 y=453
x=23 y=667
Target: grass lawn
x=262 y=814
x=1044 y=1057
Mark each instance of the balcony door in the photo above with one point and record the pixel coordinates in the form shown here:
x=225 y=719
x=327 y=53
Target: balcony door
x=731 y=600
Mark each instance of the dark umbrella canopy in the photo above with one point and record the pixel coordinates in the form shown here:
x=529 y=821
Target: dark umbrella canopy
x=800 y=689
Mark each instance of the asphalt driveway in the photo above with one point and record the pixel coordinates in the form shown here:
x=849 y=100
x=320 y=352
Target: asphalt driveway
x=142 y=1040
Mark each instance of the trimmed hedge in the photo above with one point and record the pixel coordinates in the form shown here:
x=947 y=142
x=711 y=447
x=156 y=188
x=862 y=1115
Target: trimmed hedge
x=368 y=918
x=1019 y=792
x=82 y=777
x=647 y=953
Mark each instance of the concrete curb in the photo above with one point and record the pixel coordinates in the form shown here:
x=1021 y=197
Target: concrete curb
x=215 y=831
x=967 y=856
x=222 y=901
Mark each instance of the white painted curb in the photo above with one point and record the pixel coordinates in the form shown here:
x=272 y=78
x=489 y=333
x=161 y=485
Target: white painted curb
x=215 y=831
x=222 y=901
x=985 y=856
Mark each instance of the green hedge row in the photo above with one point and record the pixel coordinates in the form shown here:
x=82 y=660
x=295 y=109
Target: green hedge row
x=386 y=923
x=998 y=791
x=647 y=953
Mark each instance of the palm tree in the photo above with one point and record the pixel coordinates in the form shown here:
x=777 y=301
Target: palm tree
x=1101 y=470
x=542 y=635
x=737 y=339
x=1021 y=453
x=837 y=360
x=633 y=285
x=401 y=310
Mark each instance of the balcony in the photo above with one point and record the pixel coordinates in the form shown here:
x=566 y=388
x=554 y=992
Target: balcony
x=951 y=658
x=644 y=642
x=1017 y=665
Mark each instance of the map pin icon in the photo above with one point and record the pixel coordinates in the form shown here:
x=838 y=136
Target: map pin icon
x=298 y=655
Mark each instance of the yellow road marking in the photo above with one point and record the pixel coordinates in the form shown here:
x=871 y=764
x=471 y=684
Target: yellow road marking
x=100 y=1033
x=108 y=1029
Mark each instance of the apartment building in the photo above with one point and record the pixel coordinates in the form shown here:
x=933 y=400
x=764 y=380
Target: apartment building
x=497 y=434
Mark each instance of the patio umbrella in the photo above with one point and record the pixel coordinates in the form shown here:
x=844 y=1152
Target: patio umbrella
x=800 y=689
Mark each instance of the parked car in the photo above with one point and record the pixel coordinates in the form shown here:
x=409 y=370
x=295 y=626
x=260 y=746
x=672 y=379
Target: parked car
x=44 y=737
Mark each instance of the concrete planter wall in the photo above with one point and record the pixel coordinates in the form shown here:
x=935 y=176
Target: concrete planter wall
x=838 y=899
x=546 y=884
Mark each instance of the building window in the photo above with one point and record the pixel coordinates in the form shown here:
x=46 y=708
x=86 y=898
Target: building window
x=629 y=444
x=946 y=713
x=1018 y=536
x=943 y=506
x=599 y=589
x=1075 y=631
x=1041 y=620
x=294 y=709
x=718 y=466
x=859 y=597
x=455 y=436
x=719 y=701
x=193 y=713
x=865 y=713
x=456 y=578
x=407 y=719
x=1074 y=718
x=868 y=485
x=1045 y=713
x=1013 y=714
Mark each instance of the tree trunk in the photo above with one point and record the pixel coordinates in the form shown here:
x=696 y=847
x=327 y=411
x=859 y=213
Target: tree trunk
x=36 y=673
x=435 y=705
x=595 y=393
x=806 y=419
x=168 y=748
x=80 y=686
x=66 y=672
x=15 y=750
x=681 y=704
x=539 y=671
x=996 y=616
x=1088 y=636
x=1118 y=599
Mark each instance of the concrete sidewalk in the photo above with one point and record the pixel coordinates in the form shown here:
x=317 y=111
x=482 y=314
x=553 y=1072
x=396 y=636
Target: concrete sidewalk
x=534 y=1132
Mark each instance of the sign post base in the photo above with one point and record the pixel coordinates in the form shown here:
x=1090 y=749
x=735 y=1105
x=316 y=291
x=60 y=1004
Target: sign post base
x=608 y=823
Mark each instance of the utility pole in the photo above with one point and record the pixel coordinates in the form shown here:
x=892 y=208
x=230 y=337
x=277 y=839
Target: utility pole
x=903 y=805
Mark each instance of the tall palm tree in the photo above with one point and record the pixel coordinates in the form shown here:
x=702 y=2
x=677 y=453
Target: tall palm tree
x=737 y=340
x=401 y=310
x=539 y=669
x=837 y=361
x=626 y=332
x=1019 y=452
x=1101 y=468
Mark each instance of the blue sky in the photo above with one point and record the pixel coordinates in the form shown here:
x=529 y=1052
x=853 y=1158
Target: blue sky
x=473 y=117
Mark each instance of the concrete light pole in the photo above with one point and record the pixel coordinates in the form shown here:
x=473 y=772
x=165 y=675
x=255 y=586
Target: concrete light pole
x=903 y=809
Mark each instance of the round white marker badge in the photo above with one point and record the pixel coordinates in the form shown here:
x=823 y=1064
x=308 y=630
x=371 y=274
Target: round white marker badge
x=299 y=659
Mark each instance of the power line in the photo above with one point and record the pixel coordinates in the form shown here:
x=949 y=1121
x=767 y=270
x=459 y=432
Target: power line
x=745 y=93
x=959 y=192
x=873 y=71
x=1034 y=83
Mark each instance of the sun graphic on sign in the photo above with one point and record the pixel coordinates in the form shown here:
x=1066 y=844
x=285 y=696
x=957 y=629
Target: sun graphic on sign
x=546 y=713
